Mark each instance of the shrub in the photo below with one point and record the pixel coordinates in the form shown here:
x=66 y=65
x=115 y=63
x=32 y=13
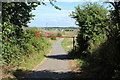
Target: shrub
x=90 y=19
x=17 y=44
x=59 y=34
x=52 y=38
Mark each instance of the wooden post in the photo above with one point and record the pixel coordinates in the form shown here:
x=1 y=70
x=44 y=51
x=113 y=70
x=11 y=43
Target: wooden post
x=73 y=44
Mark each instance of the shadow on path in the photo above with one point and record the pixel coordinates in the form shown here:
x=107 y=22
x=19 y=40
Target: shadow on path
x=44 y=75
x=59 y=57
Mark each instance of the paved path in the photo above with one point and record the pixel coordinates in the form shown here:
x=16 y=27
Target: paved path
x=56 y=64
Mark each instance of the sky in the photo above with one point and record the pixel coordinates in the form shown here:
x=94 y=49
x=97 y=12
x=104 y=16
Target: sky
x=48 y=16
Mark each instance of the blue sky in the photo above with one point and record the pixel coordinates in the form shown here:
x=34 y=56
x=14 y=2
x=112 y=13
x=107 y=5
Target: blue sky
x=51 y=17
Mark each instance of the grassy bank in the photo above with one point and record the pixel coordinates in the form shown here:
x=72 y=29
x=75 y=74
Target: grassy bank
x=28 y=64
x=67 y=44
x=36 y=58
x=25 y=54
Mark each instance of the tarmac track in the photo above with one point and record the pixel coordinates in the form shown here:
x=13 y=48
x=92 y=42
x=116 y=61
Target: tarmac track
x=55 y=66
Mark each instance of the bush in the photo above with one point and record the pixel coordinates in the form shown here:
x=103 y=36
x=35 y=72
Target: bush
x=28 y=48
x=17 y=44
x=52 y=38
x=90 y=19
x=98 y=43
x=104 y=59
x=59 y=34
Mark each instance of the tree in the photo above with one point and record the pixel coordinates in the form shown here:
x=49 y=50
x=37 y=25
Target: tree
x=91 y=21
x=104 y=62
x=116 y=12
x=113 y=42
x=18 y=13
x=19 y=44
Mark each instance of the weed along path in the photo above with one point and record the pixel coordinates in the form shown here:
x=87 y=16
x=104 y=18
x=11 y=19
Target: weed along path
x=55 y=65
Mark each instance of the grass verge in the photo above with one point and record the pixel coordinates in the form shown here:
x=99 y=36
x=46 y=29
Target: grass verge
x=75 y=64
x=28 y=63
x=67 y=44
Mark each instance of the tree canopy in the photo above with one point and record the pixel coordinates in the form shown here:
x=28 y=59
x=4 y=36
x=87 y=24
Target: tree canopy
x=18 y=13
x=90 y=19
x=98 y=41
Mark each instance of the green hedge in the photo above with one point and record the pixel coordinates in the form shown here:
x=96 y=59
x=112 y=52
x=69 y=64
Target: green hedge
x=18 y=43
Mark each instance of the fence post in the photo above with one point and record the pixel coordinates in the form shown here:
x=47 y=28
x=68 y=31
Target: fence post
x=73 y=44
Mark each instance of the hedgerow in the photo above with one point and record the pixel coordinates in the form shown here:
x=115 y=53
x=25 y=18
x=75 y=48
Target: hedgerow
x=98 y=41
x=19 y=44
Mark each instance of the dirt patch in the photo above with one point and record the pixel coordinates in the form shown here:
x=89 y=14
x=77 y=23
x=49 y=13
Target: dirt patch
x=75 y=68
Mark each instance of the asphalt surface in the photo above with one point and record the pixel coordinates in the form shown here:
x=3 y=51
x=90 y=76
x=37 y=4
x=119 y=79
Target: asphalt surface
x=55 y=66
